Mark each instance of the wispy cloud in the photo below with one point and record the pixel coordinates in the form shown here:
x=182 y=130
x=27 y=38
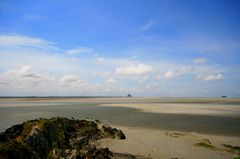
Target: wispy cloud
x=174 y=73
x=200 y=60
x=98 y=58
x=111 y=81
x=137 y=69
x=13 y=40
x=71 y=80
x=148 y=25
x=145 y=78
x=135 y=57
x=211 y=77
x=79 y=50
x=170 y=74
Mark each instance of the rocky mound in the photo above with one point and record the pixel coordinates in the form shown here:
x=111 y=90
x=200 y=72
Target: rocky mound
x=56 y=138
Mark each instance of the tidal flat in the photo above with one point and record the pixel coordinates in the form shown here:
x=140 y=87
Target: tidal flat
x=154 y=127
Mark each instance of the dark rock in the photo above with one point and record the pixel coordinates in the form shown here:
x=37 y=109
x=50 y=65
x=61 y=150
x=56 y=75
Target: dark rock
x=112 y=132
x=56 y=138
x=98 y=153
x=11 y=133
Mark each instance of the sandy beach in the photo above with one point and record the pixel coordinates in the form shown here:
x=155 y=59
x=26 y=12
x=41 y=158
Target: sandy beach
x=154 y=143
x=154 y=127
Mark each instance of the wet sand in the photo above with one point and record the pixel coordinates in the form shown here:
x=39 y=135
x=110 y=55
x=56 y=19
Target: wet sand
x=147 y=122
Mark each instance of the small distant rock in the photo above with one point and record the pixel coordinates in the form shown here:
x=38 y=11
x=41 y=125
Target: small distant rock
x=129 y=95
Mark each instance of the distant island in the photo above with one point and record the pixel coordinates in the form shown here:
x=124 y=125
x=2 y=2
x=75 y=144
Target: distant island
x=129 y=96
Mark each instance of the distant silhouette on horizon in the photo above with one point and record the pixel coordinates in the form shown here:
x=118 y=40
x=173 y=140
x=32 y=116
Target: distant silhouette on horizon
x=129 y=95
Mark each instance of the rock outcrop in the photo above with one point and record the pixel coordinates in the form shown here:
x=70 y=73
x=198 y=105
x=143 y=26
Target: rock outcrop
x=56 y=138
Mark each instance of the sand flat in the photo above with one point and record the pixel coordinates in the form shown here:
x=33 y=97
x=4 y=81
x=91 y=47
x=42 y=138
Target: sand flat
x=163 y=144
x=180 y=108
x=124 y=99
x=159 y=143
x=155 y=127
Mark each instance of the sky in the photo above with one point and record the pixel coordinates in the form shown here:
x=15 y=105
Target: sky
x=167 y=48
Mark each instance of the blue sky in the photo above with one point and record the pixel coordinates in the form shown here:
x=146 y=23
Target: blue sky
x=183 y=48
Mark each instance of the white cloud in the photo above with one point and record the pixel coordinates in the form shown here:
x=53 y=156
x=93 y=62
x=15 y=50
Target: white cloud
x=137 y=69
x=27 y=71
x=79 y=50
x=33 y=70
x=24 y=72
x=170 y=74
x=185 y=69
x=135 y=57
x=98 y=58
x=148 y=25
x=27 y=79
x=68 y=79
x=74 y=59
x=173 y=73
x=24 y=41
x=71 y=80
x=111 y=81
x=200 y=60
x=145 y=78
x=210 y=77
